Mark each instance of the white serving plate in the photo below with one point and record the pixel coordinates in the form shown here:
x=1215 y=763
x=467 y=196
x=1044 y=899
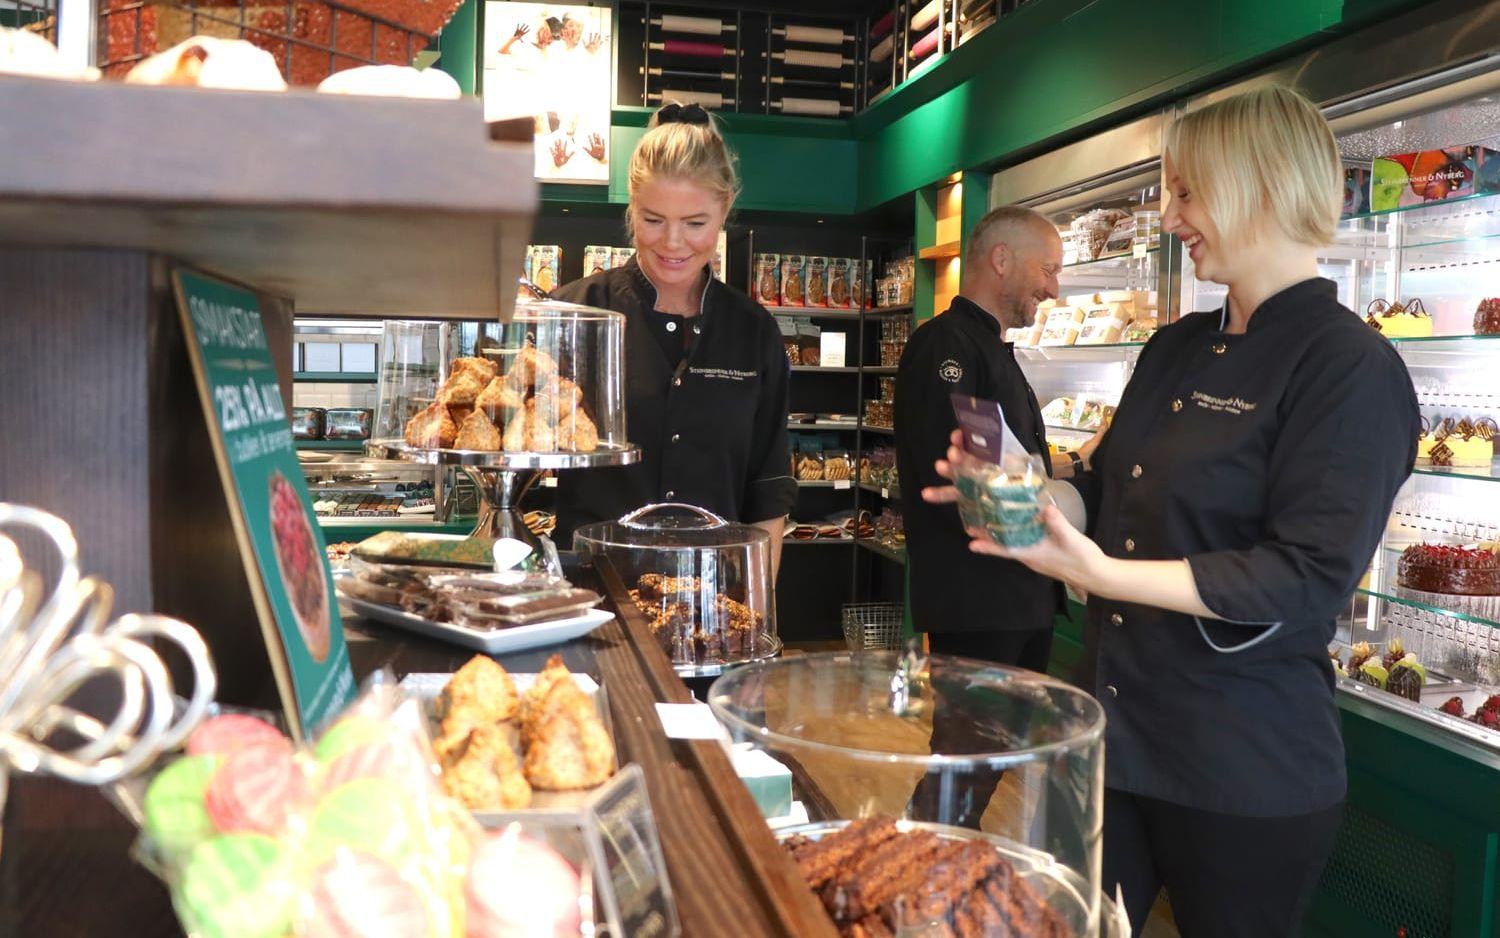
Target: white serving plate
x=494 y=642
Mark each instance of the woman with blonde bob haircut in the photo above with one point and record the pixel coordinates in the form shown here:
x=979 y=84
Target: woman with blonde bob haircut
x=706 y=374
x=1232 y=508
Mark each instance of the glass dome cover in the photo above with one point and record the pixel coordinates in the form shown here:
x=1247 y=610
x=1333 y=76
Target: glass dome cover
x=905 y=761
x=549 y=381
x=703 y=583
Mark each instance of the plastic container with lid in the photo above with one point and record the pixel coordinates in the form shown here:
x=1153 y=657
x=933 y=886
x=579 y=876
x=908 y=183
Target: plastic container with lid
x=703 y=583
x=549 y=381
x=960 y=750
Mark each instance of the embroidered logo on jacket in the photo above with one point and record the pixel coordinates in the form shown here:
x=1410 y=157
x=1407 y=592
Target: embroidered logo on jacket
x=950 y=371
x=1223 y=405
x=723 y=374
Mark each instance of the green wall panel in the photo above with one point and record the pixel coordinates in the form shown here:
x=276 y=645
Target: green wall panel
x=459 y=44
x=1059 y=65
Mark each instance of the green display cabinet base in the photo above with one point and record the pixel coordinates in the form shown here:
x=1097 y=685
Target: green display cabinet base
x=1417 y=852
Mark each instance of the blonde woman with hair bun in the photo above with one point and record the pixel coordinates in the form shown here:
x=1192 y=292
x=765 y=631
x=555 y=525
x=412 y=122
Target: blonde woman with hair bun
x=706 y=374
x=1233 y=506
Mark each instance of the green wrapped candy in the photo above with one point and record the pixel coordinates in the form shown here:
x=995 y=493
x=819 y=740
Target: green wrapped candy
x=175 y=815
x=346 y=735
x=369 y=814
x=237 y=886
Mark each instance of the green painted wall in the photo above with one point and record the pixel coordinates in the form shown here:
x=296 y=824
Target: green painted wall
x=459 y=44
x=1052 y=70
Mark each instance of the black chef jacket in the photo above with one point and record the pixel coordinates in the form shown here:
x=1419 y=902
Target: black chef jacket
x=712 y=429
x=1270 y=461
x=951 y=588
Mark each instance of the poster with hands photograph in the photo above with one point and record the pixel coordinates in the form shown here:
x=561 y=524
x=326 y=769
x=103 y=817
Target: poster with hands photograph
x=551 y=62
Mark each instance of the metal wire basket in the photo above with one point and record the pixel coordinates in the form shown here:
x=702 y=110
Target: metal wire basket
x=310 y=39
x=873 y=626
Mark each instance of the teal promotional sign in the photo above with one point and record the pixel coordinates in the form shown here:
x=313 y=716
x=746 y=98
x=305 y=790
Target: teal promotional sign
x=279 y=538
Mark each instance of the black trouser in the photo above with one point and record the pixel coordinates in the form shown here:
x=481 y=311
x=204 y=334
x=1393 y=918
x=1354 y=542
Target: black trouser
x=955 y=797
x=1226 y=876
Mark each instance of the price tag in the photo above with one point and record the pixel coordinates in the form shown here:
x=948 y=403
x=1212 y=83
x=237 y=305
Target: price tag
x=622 y=837
x=549 y=482
x=842 y=484
x=885 y=492
x=1139 y=249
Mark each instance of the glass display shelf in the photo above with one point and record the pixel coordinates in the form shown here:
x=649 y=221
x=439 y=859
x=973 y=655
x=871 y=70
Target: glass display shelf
x=871 y=428
x=824 y=484
x=1431 y=213
x=334 y=377
x=1428 y=607
x=881 y=549
x=1490 y=473
x=1113 y=262
x=820 y=541
x=1065 y=428
x=822 y=425
x=337 y=446
x=826 y=369
x=884 y=491
x=1106 y=352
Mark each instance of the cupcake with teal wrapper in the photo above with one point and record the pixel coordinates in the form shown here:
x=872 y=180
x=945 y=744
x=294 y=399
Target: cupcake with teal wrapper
x=1011 y=502
x=1000 y=485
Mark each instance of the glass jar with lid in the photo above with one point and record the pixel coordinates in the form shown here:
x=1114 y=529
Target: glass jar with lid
x=551 y=381
x=703 y=584
x=967 y=790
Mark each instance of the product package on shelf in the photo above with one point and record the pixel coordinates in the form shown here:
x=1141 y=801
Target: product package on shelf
x=840 y=294
x=1400 y=180
x=816 y=281
x=793 y=286
x=765 y=280
x=810 y=341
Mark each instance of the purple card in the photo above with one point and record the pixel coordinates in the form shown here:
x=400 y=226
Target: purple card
x=983 y=426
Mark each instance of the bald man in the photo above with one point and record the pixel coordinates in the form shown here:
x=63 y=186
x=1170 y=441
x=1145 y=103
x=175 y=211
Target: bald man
x=971 y=605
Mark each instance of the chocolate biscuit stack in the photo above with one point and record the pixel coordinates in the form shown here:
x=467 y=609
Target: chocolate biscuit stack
x=875 y=879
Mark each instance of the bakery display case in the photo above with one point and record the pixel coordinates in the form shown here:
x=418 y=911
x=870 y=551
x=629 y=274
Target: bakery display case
x=703 y=584
x=503 y=402
x=940 y=793
x=1418 y=255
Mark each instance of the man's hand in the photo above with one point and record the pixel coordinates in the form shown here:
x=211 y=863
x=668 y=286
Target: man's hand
x=594 y=42
x=561 y=153
x=521 y=30
x=596 y=147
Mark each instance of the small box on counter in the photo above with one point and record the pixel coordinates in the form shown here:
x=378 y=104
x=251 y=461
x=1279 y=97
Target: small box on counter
x=1403 y=179
x=307 y=423
x=352 y=423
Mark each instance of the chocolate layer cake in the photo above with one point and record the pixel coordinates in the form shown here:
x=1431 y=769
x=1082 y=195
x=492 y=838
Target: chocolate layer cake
x=1436 y=568
x=875 y=880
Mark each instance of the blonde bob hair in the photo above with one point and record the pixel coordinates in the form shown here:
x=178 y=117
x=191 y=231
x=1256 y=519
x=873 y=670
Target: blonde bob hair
x=690 y=152
x=1267 y=150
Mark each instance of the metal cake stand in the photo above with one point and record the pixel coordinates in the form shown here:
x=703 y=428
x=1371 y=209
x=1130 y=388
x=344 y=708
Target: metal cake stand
x=504 y=478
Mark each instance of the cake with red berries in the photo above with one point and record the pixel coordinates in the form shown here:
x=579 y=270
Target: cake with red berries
x=1487 y=317
x=1440 y=568
x=1460 y=579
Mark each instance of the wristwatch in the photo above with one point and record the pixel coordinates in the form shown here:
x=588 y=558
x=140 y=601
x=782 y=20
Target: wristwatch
x=1077 y=462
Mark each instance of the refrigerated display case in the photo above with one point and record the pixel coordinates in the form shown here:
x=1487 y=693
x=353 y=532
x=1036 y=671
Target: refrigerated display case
x=1416 y=851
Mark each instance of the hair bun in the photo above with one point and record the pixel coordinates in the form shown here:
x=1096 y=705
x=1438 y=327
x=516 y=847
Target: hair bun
x=675 y=113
